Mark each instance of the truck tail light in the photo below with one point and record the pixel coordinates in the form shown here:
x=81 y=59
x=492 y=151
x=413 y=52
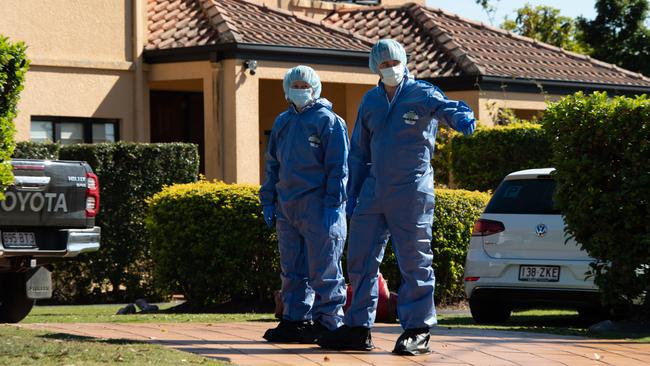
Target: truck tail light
x=92 y=195
x=471 y=279
x=483 y=227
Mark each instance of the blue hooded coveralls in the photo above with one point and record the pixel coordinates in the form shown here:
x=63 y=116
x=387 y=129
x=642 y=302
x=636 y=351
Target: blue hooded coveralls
x=390 y=173
x=306 y=170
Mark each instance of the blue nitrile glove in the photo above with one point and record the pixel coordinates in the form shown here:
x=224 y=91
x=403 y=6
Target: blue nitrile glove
x=268 y=212
x=349 y=209
x=330 y=215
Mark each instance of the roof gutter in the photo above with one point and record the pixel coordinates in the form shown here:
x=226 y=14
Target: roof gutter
x=556 y=86
x=218 y=52
x=506 y=84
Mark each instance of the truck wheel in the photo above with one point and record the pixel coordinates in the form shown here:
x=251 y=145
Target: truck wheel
x=14 y=303
x=486 y=311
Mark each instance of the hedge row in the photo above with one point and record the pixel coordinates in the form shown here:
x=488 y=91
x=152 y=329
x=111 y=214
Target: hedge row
x=210 y=242
x=128 y=173
x=602 y=155
x=480 y=161
x=36 y=150
x=13 y=67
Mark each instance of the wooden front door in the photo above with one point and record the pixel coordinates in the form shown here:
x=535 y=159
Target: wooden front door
x=178 y=117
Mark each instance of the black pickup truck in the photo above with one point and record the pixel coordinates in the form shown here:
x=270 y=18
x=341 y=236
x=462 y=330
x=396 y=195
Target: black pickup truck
x=48 y=214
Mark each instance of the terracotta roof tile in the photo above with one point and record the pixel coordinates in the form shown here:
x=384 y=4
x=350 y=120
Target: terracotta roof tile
x=443 y=44
x=201 y=22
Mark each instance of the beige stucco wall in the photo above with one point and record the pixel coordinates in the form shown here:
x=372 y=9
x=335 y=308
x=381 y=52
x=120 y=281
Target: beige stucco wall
x=76 y=93
x=85 y=60
x=491 y=101
x=70 y=30
x=240 y=119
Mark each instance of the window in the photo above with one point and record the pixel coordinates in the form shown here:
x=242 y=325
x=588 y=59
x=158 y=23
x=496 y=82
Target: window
x=73 y=130
x=524 y=196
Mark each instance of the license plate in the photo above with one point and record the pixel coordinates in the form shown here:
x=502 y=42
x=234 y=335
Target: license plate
x=18 y=240
x=539 y=273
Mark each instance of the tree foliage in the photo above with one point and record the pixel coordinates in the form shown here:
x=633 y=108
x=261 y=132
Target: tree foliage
x=13 y=67
x=545 y=24
x=618 y=34
x=602 y=156
x=489 y=8
x=480 y=161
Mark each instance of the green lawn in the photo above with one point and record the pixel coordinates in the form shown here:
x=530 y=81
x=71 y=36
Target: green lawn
x=29 y=347
x=106 y=314
x=563 y=322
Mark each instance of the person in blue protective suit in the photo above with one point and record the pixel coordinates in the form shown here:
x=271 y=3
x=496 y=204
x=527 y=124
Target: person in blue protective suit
x=391 y=194
x=305 y=192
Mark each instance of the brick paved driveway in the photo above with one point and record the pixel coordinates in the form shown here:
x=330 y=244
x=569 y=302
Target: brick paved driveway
x=242 y=343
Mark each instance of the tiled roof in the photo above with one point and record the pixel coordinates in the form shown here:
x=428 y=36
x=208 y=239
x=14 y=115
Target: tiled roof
x=441 y=44
x=187 y=23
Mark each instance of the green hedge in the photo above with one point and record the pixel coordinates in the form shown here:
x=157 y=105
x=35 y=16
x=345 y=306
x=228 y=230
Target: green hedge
x=36 y=150
x=128 y=173
x=602 y=156
x=13 y=67
x=455 y=213
x=441 y=161
x=210 y=243
x=480 y=161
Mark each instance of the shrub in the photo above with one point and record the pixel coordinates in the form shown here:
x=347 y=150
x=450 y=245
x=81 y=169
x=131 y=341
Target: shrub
x=602 y=156
x=36 y=150
x=13 y=67
x=441 y=161
x=128 y=173
x=480 y=161
x=455 y=213
x=209 y=241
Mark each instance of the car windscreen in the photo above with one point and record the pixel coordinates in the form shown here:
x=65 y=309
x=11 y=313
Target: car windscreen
x=524 y=196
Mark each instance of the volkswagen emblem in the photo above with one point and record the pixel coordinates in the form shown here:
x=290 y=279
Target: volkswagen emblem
x=540 y=230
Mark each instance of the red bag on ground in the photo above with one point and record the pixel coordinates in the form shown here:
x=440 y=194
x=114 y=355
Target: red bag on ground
x=386 y=304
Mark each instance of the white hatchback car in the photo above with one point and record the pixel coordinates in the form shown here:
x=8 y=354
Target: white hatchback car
x=518 y=256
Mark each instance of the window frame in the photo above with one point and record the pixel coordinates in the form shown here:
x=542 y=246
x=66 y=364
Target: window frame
x=86 y=122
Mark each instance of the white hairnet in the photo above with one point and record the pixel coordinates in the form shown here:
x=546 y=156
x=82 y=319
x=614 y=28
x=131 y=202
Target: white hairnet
x=304 y=73
x=386 y=50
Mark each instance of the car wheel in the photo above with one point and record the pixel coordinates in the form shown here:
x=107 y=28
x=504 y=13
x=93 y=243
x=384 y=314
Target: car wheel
x=14 y=303
x=489 y=311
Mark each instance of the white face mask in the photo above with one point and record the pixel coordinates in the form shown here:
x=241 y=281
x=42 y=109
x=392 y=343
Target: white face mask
x=300 y=97
x=392 y=76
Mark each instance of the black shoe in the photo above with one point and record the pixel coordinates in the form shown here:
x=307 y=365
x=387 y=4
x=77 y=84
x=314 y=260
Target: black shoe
x=312 y=333
x=347 y=338
x=129 y=309
x=288 y=332
x=413 y=342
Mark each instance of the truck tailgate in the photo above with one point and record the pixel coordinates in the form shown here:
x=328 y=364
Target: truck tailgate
x=46 y=194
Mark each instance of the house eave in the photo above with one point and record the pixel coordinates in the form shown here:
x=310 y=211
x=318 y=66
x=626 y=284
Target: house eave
x=523 y=85
x=265 y=52
x=560 y=86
